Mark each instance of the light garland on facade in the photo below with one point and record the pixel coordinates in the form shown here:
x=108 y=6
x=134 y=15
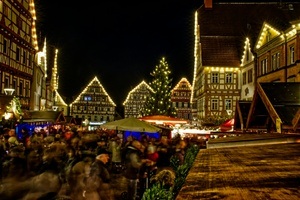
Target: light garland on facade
x=143 y=83
x=267 y=29
x=60 y=99
x=33 y=30
x=197 y=35
x=180 y=83
x=86 y=88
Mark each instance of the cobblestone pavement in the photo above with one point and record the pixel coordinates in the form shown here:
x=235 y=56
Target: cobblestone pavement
x=264 y=171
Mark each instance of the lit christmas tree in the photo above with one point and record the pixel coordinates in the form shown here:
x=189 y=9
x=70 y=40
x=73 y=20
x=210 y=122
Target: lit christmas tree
x=159 y=102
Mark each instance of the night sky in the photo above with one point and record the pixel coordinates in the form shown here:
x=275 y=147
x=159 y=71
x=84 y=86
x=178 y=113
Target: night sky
x=120 y=42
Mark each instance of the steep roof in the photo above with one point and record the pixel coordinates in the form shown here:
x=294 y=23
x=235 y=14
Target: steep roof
x=94 y=83
x=241 y=114
x=44 y=116
x=282 y=105
x=224 y=27
x=142 y=85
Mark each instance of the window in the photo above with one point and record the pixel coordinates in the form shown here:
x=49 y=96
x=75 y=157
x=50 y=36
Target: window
x=6 y=83
x=14 y=84
x=215 y=77
x=18 y=54
x=19 y=22
x=275 y=61
x=30 y=60
x=173 y=104
x=228 y=104
x=27 y=89
x=186 y=105
x=24 y=57
x=264 y=64
x=292 y=54
x=21 y=88
x=244 y=78
x=250 y=75
x=4 y=46
x=87 y=98
x=5 y=10
x=214 y=104
x=228 y=78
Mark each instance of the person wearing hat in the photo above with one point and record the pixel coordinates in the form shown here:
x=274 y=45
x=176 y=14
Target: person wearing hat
x=100 y=175
x=79 y=174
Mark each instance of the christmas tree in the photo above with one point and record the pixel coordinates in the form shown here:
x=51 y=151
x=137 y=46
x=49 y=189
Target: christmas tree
x=159 y=102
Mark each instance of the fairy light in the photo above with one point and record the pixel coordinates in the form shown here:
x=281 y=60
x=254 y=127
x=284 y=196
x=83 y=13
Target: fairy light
x=138 y=87
x=78 y=99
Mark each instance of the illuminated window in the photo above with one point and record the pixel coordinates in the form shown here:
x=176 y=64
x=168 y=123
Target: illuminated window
x=228 y=104
x=87 y=98
x=264 y=64
x=275 y=61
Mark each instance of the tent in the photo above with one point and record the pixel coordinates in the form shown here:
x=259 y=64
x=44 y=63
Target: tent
x=227 y=125
x=162 y=119
x=131 y=124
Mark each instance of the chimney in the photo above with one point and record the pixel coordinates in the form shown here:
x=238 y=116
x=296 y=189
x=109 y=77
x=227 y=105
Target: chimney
x=208 y=4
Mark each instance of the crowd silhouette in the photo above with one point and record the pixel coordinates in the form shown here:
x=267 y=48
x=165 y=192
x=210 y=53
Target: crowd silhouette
x=81 y=165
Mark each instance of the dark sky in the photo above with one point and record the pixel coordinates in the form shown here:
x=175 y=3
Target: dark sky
x=120 y=42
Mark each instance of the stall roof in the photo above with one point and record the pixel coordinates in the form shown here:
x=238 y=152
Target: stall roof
x=241 y=114
x=44 y=116
x=273 y=102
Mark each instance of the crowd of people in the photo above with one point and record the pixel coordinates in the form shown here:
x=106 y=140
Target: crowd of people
x=79 y=165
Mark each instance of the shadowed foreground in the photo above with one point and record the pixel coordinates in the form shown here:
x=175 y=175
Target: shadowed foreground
x=259 y=171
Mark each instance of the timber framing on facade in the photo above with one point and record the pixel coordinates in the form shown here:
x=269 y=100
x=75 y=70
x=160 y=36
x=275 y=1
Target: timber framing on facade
x=181 y=98
x=135 y=101
x=93 y=104
x=238 y=46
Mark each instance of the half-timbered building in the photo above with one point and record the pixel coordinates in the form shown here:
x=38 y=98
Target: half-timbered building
x=235 y=47
x=135 y=101
x=18 y=47
x=93 y=105
x=181 y=99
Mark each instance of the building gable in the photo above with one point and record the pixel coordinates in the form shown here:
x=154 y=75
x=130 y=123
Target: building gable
x=267 y=33
x=183 y=83
x=95 y=83
x=247 y=55
x=142 y=85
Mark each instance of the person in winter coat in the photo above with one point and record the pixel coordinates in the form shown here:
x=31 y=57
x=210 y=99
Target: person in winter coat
x=133 y=163
x=100 y=175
